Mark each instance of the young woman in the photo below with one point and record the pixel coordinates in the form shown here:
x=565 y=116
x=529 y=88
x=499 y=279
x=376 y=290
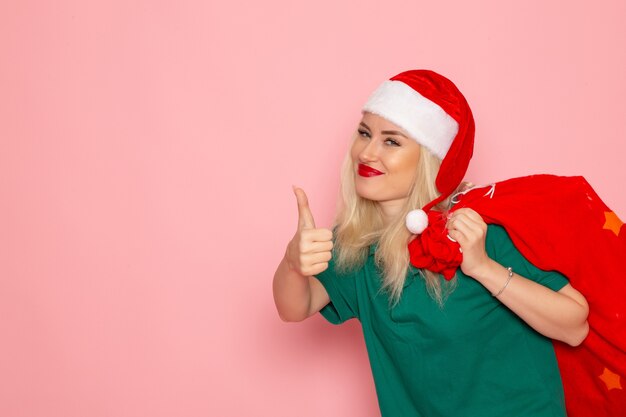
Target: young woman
x=476 y=345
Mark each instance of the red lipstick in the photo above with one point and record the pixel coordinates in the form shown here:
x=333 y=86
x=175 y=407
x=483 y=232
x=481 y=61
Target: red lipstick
x=367 y=171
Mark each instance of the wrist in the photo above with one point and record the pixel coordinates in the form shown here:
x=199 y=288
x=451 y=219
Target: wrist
x=494 y=277
x=486 y=270
x=291 y=266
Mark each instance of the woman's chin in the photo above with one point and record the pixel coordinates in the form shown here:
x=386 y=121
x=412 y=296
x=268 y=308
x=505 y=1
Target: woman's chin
x=367 y=194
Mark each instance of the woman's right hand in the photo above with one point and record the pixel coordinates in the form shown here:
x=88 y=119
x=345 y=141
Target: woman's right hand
x=297 y=292
x=310 y=249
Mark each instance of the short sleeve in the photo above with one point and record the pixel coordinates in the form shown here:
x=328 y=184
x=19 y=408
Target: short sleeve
x=341 y=289
x=500 y=248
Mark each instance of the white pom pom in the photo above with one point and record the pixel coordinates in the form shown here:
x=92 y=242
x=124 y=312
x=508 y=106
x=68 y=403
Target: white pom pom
x=416 y=221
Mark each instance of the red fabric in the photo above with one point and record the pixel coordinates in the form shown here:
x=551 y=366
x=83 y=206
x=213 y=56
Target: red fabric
x=560 y=223
x=433 y=249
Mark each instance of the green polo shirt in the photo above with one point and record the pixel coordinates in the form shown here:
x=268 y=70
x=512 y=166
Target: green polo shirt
x=473 y=357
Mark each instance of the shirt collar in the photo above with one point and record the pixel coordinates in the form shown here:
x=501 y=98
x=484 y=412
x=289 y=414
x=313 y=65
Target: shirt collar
x=412 y=272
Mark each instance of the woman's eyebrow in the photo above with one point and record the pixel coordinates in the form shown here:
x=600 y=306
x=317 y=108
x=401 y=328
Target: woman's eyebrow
x=393 y=132
x=385 y=132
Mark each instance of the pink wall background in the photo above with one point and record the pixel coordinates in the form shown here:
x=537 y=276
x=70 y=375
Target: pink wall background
x=147 y=153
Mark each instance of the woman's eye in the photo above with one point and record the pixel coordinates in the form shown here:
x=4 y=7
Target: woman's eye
x=392 y=142
x=364 y=133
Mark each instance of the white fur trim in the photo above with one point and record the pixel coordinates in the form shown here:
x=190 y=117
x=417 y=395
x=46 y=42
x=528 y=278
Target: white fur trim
x=416 y=221
x=421 y=118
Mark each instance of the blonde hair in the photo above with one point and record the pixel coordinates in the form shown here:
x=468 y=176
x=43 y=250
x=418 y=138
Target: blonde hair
x=359 y=224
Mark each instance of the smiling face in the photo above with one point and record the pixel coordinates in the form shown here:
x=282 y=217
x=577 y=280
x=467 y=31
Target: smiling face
x=385 y=161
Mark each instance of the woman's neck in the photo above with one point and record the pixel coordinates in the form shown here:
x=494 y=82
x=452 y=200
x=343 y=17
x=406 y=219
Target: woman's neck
x=389 y=210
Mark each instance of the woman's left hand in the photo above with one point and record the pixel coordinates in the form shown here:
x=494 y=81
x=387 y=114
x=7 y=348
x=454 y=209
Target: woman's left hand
x=468 y=228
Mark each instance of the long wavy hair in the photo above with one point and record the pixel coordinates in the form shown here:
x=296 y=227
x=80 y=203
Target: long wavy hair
x=359 y=224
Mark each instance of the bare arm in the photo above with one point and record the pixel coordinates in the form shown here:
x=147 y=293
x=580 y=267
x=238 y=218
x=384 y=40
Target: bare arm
x=296 y=296
x=297 y=293
x=559 y=315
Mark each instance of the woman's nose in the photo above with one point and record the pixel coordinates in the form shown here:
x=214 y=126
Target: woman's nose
x=370 y=152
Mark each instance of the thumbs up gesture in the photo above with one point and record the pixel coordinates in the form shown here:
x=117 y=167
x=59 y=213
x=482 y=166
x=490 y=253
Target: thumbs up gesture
x=309 y=251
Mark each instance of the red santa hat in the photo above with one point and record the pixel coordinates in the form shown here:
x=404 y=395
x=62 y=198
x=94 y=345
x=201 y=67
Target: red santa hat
x=432 y=110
